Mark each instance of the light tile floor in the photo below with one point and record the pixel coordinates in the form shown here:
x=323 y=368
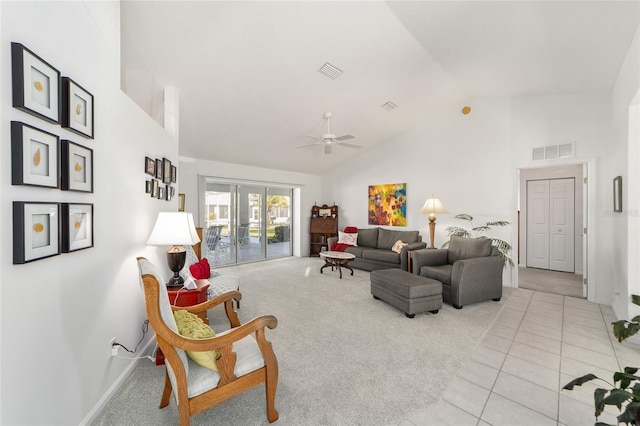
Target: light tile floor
x=538 y=343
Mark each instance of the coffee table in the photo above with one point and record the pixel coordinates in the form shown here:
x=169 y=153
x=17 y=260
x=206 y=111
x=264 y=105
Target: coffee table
x=337 y=259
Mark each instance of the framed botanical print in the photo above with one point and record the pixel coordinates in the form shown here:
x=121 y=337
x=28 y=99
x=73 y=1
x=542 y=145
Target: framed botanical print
x=155 y=188
x=34 y=156
x=77 y=167
x=35 y=84
x=174 y=174
x=77 y=226
x=166 y=173
x=77 y=108
x=150 y=166
x=36 y=231
x=159 y=169
x=180 y=202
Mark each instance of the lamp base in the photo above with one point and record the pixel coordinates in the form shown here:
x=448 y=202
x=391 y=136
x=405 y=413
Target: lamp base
x=176 y=257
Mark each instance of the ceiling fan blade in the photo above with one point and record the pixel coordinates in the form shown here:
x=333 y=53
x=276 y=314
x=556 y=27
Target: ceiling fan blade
x=307 y=145
x=344 y=138
x=313 y=137
x=351 y=145
x=327 y=149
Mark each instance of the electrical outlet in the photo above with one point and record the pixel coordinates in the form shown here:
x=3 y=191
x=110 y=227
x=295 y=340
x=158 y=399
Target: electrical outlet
x=114 y=349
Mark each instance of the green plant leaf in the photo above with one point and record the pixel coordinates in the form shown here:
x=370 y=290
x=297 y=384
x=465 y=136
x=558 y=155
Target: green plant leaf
x=625 y=379
x=630 y=413
x=498 y=223
x=617 y=397
x=458 y=232
x=580 y=381
x=480 y=229
x=598 y=400
x=635 y=299
x=464 y=216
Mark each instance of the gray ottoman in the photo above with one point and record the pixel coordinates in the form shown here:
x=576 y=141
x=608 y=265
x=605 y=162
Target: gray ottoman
x=410 y=293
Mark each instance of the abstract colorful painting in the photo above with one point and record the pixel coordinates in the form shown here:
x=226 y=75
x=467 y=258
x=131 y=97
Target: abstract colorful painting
x=388 y=204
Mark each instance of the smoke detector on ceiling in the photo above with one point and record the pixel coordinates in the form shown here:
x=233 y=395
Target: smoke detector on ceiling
x=330 y=71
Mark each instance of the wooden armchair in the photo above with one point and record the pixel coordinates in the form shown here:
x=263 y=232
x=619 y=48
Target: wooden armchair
x=246 y=356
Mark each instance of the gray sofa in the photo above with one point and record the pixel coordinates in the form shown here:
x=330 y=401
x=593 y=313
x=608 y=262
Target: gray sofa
x=374 y=248
x=470 y=270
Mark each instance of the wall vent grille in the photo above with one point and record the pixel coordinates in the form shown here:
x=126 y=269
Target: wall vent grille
x=388 y=106
x=330 y=71
x=565 y=150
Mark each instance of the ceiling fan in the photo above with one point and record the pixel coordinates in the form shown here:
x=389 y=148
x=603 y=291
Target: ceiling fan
x=329 y=139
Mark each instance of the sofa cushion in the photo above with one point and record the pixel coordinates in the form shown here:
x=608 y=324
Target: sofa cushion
x=387 y=238
x=466 y=248
x=356 y=251
x=381 y=255
x=368 y=237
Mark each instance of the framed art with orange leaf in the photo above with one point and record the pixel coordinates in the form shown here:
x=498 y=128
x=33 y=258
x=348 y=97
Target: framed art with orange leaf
x=36 y=231
x=35 y=84
x=77 y=226
x=77 y=108
x=77 y=167
x=388 y=204
x=34 y=156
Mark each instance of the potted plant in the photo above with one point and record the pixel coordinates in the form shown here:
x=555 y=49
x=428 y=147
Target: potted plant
x=625 y=390
x=504 y=248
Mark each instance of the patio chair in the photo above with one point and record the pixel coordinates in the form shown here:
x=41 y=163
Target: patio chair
x=243 y=235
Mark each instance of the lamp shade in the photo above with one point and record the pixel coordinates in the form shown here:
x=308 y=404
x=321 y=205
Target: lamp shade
x=173 y=228
x=433 y=205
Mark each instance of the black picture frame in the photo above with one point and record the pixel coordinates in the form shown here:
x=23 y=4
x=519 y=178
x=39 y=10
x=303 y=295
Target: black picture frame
x=77 y=108
x=168 y=193
x=155 y=188
x=617 y=194
x=148 y=187
x=77 y=226
x=35 y=156
x=150 y=166
x=161 y=193
x=166 y=173
x=76 y=167
x=36 y=231
x=159 y=170
x=174 y=174
x=35 y=84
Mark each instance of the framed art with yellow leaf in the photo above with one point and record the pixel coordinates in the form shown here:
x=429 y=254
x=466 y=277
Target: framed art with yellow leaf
x=34 y=156
x=77 y=226
x=35 y=84
x=36 y=231
x=77 y=167
x=77 y=108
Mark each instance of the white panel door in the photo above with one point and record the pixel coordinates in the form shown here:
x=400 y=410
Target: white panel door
x=562 y=238
x=538 y=224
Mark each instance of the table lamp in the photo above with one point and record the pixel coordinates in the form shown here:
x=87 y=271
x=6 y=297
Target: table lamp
x=174 y=229
x=432 y=206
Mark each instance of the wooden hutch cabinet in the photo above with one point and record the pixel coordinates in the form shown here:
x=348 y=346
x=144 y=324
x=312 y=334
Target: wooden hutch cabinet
x=324 y=224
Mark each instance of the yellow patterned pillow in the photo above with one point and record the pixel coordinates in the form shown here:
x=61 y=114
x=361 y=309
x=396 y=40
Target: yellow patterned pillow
x=397 y=247
x=191 y=325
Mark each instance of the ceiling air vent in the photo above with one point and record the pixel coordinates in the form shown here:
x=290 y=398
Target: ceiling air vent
x=330 y=71
x=389 y=106
x=565 y=150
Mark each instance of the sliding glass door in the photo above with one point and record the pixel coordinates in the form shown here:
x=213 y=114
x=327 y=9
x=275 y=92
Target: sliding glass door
x=245 y=222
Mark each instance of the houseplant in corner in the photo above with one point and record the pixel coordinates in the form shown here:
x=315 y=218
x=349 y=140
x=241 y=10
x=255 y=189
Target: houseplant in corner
x=625 y=390
x=504 y=248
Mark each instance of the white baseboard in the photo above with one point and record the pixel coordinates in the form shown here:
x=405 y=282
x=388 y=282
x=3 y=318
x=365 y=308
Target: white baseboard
x=99 y=406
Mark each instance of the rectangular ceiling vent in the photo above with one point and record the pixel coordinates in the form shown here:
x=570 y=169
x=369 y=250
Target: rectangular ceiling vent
x=330 y=71
x=389 y=106
x=565 y=150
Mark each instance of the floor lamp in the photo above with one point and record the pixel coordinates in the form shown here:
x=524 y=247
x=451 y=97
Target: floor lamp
x=432 y=206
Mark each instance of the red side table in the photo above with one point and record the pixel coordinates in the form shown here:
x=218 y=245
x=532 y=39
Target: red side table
x=184 y=297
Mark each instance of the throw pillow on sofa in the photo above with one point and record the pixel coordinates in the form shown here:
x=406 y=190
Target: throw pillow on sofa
x=397 y=247
x=346 y=238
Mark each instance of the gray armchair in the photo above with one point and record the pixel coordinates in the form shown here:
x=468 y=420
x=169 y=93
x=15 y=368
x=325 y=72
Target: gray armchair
x=470 y=270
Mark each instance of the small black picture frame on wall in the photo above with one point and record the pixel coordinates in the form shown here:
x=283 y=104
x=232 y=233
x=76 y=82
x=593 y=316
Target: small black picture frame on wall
x=34 y=156
x=159 y=170
x=617 y=194
x=77 y=226
x=77 y=167
x=77 y=108
x=35 y=84
x=150 y=166
x=36 y=231
x=166 y=174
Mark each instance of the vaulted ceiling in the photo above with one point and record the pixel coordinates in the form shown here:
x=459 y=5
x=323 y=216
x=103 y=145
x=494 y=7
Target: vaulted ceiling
x=250 y=89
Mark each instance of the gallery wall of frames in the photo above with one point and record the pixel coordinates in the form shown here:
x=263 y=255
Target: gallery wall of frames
x=40 y=158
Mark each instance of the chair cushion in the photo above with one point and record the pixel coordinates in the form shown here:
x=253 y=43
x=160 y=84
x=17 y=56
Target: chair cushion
x=249 y=358
x=222 y=284
x=466 y=248
x=200 y=270
x=368 y=237
x=440 y=273
x=191 y=325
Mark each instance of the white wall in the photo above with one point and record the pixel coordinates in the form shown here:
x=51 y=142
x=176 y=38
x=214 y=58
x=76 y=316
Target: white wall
x=306 y=192
x=626 y=146
x=58 y=314
x=470 y=162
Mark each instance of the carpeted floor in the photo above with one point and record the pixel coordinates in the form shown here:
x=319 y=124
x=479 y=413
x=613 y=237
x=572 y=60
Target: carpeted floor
x=344 y=358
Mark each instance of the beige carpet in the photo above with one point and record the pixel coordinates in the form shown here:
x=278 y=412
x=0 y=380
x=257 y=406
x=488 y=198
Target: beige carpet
x=344 y=357
x=563 y=283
